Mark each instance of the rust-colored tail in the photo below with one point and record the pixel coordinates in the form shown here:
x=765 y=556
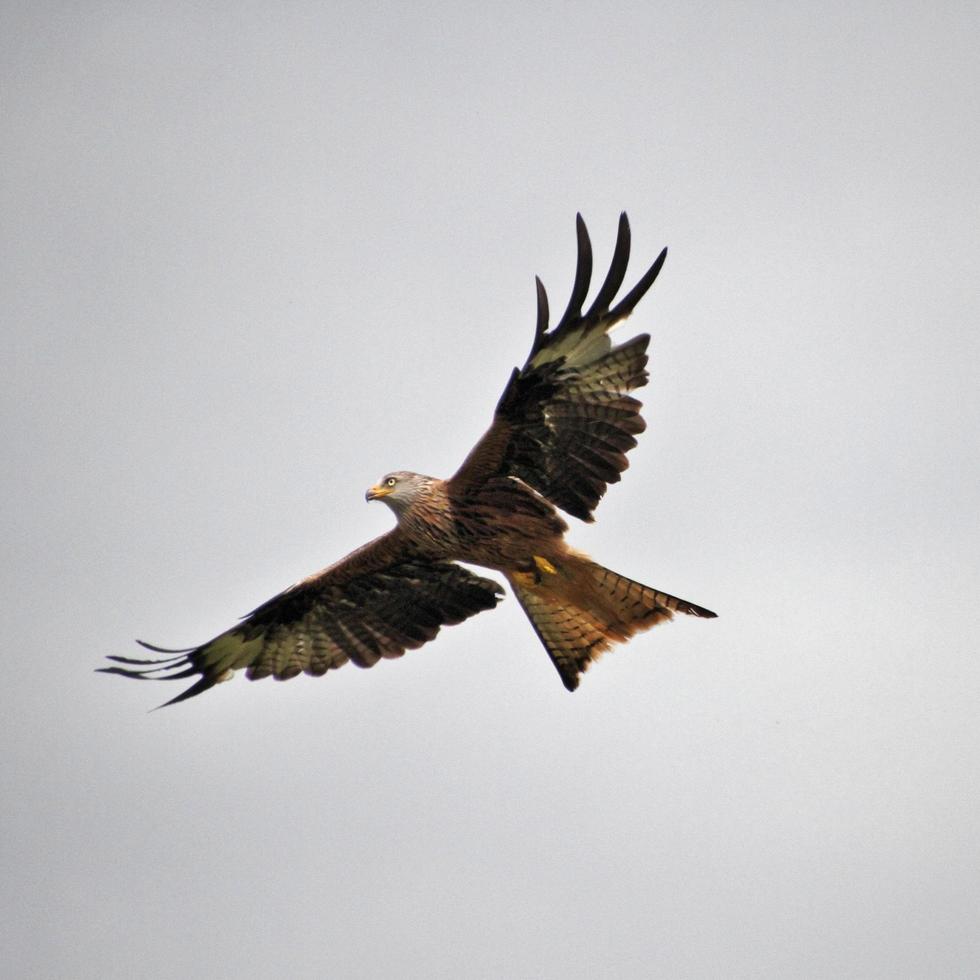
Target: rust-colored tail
x=579 y=609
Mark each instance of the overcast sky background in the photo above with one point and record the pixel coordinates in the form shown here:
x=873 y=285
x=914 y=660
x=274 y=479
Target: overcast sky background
x=256 y=255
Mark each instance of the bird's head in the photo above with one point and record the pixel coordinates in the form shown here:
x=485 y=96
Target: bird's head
x=399 y=490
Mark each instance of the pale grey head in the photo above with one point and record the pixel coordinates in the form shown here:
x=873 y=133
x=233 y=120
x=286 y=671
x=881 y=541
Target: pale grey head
x=401 y=489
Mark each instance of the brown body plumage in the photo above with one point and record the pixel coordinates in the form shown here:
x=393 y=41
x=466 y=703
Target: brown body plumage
x=560 y=435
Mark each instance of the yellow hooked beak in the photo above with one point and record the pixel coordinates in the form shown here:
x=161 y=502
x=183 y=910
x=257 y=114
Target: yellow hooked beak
x=376 y=492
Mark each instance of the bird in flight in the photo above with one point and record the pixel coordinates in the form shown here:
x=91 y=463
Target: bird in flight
x=560 y=434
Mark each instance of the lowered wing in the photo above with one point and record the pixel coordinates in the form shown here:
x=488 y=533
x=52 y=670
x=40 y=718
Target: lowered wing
x=376 y=603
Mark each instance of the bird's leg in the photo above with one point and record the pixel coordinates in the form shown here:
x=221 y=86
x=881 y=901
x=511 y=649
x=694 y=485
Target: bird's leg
x=544 y=566
x=534 y=571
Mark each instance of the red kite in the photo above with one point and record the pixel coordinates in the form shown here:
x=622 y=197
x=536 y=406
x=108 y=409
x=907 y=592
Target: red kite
x=559 y=436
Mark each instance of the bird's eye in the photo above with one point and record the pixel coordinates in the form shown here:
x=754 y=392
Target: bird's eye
x=390 y=482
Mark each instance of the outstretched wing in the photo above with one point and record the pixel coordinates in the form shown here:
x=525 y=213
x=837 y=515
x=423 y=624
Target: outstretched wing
x=377 y=602
x=566 y=420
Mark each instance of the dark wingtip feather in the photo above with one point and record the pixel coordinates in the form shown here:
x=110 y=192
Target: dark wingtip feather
x=617 y=269
x=199 y=687
x=156 y=649
x=625 y=306
x=137 y=675
x=541 y=325
x=145 y=675
x=155 y=664
x=179 y=666
x=583 y=275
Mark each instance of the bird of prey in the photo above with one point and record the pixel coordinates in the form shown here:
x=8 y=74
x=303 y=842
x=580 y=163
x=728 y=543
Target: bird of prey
x=560 y=434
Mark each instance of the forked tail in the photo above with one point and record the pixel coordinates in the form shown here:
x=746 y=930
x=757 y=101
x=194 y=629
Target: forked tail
x=579 y=609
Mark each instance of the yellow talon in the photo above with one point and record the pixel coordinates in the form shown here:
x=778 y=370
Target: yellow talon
x=544 y=565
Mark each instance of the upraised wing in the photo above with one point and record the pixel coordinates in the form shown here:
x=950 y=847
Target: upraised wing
x=376 y=603
x=566 y=420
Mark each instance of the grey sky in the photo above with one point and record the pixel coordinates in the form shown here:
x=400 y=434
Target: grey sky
x=256 y=255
